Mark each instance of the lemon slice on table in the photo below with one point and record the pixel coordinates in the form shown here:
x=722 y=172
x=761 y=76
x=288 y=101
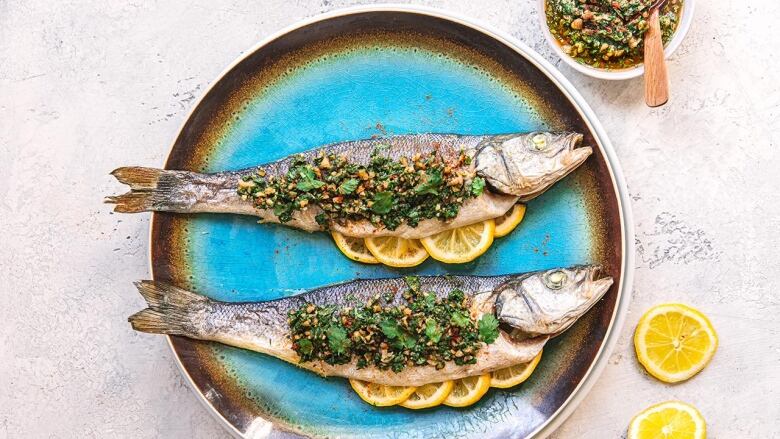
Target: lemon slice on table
x=380 y=395
x=467 y=391
x=674 y=342
x=354 y=248
x=396 y=252
x=429 y=395
x=508 y=221
x=463 y=244
x=668 y=420
x=514 y=375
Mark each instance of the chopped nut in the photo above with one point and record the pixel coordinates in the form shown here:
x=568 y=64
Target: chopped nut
x=587 y=15
x=456 y=181
x=246 y=184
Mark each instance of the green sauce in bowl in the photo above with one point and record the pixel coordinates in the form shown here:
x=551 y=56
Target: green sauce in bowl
x=607 y=34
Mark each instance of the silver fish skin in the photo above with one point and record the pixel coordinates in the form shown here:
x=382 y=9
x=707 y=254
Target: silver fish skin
x=263 y=326
x=516 y=167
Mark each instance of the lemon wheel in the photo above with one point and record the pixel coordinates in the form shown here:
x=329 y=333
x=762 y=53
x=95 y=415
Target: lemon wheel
x=668 y=420
x=354 y=248
x=467 y=391
x=674 y=342
x=397 y=252
x=514 y=375
x=429 y=395
x=508 y=221
x=380 y=395
x=463 y=244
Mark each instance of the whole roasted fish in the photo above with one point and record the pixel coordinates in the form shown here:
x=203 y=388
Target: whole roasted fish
x=512 y=168
x=529 y=309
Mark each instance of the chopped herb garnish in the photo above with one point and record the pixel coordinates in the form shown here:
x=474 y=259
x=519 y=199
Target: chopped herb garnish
x=389 y=328
x=431 y=183
x=432 y=330
x=425 y=330
x=477 y=186
x=413 y=282
x=385 y=192
x=305 y=347
x=337 y=339
x=382 y=203
x=348 y=186
x=459 y=319
x=307 y=185
x=488 y=328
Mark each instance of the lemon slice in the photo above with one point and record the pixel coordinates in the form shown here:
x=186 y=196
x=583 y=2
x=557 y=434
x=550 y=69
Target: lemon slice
x=674 y=342
x=668 y=420
x=380 y=395
x=508 y=221
x=463 y=244
x=514 y=375
x=429 y=395
x=354 y=248
x=396 y=252
x=467 y=391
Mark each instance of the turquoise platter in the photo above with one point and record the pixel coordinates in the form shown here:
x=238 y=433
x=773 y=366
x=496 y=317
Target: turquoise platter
x=377 y=73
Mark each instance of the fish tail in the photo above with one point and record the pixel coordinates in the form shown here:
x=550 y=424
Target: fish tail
x=171 y=309
x=137 y=177
x=153 y=190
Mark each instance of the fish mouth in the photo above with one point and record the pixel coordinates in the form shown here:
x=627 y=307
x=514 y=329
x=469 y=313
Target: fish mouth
x=575 y=157
x=598 y=285
x=574 y=154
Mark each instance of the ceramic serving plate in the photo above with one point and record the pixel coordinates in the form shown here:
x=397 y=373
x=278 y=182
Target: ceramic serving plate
x=380 y=71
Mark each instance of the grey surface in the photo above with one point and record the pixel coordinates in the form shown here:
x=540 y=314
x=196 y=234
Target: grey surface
x=87 y=86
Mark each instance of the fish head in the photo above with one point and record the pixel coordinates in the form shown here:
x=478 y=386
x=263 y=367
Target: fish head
x=525 y=165
x=548 y=302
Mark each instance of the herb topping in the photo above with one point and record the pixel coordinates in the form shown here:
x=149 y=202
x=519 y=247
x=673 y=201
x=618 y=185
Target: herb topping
x=425 y=331
x=386 y=192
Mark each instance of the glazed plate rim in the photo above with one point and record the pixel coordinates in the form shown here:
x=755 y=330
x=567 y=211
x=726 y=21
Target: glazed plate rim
x=588 y=116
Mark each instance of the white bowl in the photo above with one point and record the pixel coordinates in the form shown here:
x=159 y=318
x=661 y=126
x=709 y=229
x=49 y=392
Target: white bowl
x=618 y=74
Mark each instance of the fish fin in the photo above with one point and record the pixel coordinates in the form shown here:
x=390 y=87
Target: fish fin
x=137 y=177
x=132 y=202
x=153 y=190
x=170 y=310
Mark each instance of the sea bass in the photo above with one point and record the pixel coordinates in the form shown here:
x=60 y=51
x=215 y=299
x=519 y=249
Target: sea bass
x=510 y=167
x=529 y=308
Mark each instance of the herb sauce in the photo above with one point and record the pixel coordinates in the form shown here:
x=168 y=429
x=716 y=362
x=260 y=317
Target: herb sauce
x=386 y=192
x=425 y=331
x=607 y=34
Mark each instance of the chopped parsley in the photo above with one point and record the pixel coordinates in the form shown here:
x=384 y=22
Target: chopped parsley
x=425 y=330
x=385 y=192
x=488 y=328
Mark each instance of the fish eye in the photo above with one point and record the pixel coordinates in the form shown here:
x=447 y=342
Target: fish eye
x=538 y=142
x=555 y=280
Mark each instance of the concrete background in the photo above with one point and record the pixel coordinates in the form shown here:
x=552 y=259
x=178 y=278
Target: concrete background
x=88 y=85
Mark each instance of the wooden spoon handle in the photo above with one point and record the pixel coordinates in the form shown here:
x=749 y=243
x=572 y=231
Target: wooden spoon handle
x=656 y=77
